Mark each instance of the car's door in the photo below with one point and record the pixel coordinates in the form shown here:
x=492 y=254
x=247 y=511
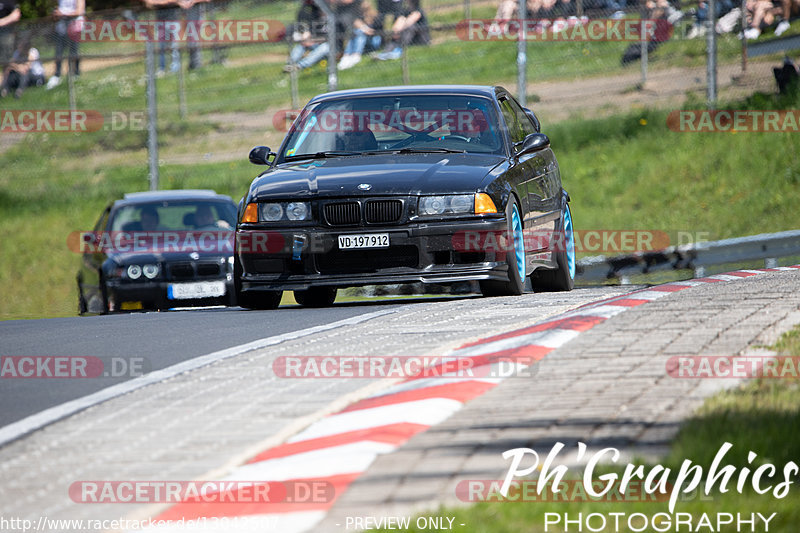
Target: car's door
x=92 y=260
x=538 y=173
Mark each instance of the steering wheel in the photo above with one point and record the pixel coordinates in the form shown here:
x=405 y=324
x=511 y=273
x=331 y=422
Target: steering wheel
x=459 y=137
x=421 y=136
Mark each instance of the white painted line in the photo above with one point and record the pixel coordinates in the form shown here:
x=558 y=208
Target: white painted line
x=424 y=383
x=316 y=464
x=31 y=423
x=428 y=412
x=549 y=338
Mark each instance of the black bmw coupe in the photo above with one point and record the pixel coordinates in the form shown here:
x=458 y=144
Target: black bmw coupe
x=432 y=184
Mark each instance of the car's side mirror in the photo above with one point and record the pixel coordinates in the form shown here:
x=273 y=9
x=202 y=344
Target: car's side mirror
x=260 y=155
x=533 y=143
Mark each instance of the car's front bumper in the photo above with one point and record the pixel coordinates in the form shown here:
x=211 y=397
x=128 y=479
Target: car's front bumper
x=421 y=252
x=131 y=296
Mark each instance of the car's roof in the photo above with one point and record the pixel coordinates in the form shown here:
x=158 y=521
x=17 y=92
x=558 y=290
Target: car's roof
x=468 y=90
x=179 y=194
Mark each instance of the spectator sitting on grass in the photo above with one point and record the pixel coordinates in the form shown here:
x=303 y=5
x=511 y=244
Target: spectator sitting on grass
x=365 y=36
x=789 y=8
x=310 y=37
x=762 y=14
x=410 y=28
x=17 y=74
x=723 y=7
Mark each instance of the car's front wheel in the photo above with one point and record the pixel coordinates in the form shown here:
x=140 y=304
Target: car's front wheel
x=515 y=258
x=259 y=299
x=253 y=299
x=563 y=277
x=316 y=297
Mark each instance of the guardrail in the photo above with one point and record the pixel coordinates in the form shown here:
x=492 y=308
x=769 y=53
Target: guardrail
x=698 y=256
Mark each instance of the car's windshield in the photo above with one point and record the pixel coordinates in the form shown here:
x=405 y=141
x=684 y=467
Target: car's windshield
x=416 y=122
x=184 y=215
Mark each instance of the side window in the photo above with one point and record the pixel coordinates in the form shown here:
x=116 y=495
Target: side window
x=522 y=117
x=515 y=128
x=101 y=222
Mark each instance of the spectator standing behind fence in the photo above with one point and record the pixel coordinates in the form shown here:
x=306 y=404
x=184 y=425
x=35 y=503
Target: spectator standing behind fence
x=194 y=12
x=309 y=34
x=166 y=11
x=409 y=28
x=364 y=34
x=9 y=15
x=69 y=16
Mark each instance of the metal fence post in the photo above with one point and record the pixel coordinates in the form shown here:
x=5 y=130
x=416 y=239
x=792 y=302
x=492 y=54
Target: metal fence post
x=711 y=55
x=522 y=53
x=404 y=66
x=152 y=115
x=333 y=80
x=644 y=51
x=73 y=106
x=181 y=88
x=744 y=41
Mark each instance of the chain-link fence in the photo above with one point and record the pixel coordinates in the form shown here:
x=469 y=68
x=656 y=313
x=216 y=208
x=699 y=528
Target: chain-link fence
x=223 y=77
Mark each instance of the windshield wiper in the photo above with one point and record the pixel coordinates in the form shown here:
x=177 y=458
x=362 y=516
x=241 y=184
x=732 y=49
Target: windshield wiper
x=321 y=155
x=419 y=151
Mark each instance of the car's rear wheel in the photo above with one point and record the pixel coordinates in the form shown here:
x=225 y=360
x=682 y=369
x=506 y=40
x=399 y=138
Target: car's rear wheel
x=563 y=277
x=515 y=258
x=316 y=297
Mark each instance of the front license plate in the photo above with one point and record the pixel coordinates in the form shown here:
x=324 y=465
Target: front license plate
x=367 y=240
x=192 y=291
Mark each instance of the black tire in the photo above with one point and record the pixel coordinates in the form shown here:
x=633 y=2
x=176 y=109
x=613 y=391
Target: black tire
x=316 y=297
x=259 y=299
x=82 y=307
x=255 y=299
x=516 y=283
x=559 y=279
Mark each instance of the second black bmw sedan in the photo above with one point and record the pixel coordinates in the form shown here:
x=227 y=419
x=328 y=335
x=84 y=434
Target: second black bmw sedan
x=158 y=250
x=430 y=184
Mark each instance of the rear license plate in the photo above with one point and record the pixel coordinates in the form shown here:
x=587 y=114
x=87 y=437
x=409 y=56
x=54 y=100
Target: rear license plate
x=192 y=291
x=366 y=240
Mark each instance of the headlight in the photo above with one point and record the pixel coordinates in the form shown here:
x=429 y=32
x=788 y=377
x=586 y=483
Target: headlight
x=271 y=212
x=150 y=271
x=297 y=211
x=446 y=205
x=283 y=211
x=134 y=272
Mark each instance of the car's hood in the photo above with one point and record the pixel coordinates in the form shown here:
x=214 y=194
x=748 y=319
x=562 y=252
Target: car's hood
x=390 y=174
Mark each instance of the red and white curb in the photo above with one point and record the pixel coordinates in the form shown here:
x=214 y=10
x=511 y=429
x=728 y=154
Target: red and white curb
x=340 y=447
